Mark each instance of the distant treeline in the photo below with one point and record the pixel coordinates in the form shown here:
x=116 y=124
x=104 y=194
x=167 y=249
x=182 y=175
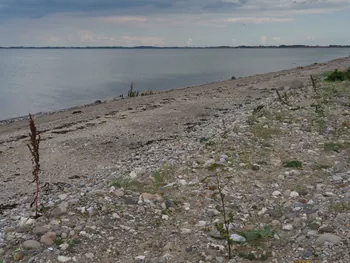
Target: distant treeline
x=153 y=47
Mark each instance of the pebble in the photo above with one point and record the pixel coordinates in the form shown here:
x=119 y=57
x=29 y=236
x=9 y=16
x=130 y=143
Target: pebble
x=330 y=238
x=287 y=227
x=213 y=212
x=276 y=193
x=48 y=239
x=294 y=194
x=237 y=238
x=31 y=244
x=63 y=259
x=287 y=193
x=89 y=255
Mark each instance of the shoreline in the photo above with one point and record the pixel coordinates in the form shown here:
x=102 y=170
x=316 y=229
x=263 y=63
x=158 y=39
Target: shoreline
x=79 y=107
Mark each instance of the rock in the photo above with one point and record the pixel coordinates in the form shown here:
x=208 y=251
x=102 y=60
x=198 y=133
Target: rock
x=209 y=163
x=185 y=231
x=328 y=194
x=276 y=223
x=26 y=221
x=133 y=175
x=312 y=233
x=325 y=229
x=155 y=197
x=214 y=233
x=165 y=217
x=140 y=259
x=18 y=255
x=64 y=235
x=62 y=196
x=280 y=177
x=286 y=193
x=330 y=238
x=31 y=244
x=63 y=259
x=89 y=255
x=213 y=212
x=276 y=193
x=48 y=239
x=294 y=194
x=237 y=238
x=40 y=230
x=219 y=259
x=255 y=167
x=233 y=77
x=288 y=227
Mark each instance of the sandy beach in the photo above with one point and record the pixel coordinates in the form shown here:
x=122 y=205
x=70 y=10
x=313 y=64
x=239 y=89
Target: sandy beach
x=85 y=149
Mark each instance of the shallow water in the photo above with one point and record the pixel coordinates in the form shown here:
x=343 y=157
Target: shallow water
x=45 y=80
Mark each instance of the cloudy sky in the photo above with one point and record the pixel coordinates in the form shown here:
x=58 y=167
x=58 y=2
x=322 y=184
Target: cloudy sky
x=173 y=22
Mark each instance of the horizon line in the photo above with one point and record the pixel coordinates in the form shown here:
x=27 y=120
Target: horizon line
x=172 y=47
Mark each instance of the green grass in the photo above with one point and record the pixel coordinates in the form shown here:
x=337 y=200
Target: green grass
x=257 y=235
x=293 y=164
x=333 y=146
x=264 y=133
x=59 y=242
x=320 y=166
x=337 y=75
x=340 y=207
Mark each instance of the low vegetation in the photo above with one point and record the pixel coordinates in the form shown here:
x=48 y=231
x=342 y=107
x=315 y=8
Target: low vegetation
x=337 y=75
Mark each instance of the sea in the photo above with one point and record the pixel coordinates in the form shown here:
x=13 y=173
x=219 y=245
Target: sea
x=42 y=80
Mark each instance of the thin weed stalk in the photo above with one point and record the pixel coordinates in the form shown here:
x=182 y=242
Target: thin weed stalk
x=33 y=147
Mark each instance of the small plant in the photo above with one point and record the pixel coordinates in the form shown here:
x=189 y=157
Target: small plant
x=340 y=207
x=338 y=76
x=59 y=242
x=293 y=164
x=72 y=244
x=314 y=84
x=223 y=228
x=320 y=166
x=131 y=92
x=284 y=99
x=33 y=147
x=333 y=146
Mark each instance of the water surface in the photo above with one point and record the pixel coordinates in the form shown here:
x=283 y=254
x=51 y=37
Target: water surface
x=45 y=80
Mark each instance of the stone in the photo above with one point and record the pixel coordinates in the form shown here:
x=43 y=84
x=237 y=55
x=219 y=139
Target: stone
x=219 y=259
x=63 y=259
x=64 y=235
x=294 y=194
x=140 y=259
x=237 y=238
x=276 y=193
x=117 y=193
x=276 y=223
x=312 y=233
x=325 y=229
x=62 y=196
x=213 y=212
x=18 y=255
x=255 y=167
x=133 y=175
x=209 y=163
x=214 y=233
x=328 y=194
x=26 y=221
x=31 y=244
x=89 y=255
x=287 y=193
x=288 y=227
x=327 y=237
x=48 y=239
x=40 y=230
x=186 y=231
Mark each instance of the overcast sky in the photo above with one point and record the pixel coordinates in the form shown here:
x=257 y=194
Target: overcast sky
x=173 y=22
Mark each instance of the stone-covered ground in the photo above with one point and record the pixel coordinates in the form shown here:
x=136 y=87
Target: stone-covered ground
x=283 y=168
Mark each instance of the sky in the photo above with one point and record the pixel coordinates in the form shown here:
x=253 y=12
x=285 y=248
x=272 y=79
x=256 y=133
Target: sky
x=173 y=22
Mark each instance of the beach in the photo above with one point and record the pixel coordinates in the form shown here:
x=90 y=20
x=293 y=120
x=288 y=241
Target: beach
x=85 y=149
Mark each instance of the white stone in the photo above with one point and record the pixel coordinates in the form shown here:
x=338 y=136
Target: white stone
x=165 y=217
x=63 y=259
x=26 y=221
x=294 y=194
x=276 y=193
x=133 y=175
x=287 y=227
x=237 y=238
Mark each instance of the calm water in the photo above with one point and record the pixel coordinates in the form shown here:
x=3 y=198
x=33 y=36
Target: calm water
x=45 y=80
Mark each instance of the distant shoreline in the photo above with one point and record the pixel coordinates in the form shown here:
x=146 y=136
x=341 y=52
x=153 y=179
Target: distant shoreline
x=185 y=47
